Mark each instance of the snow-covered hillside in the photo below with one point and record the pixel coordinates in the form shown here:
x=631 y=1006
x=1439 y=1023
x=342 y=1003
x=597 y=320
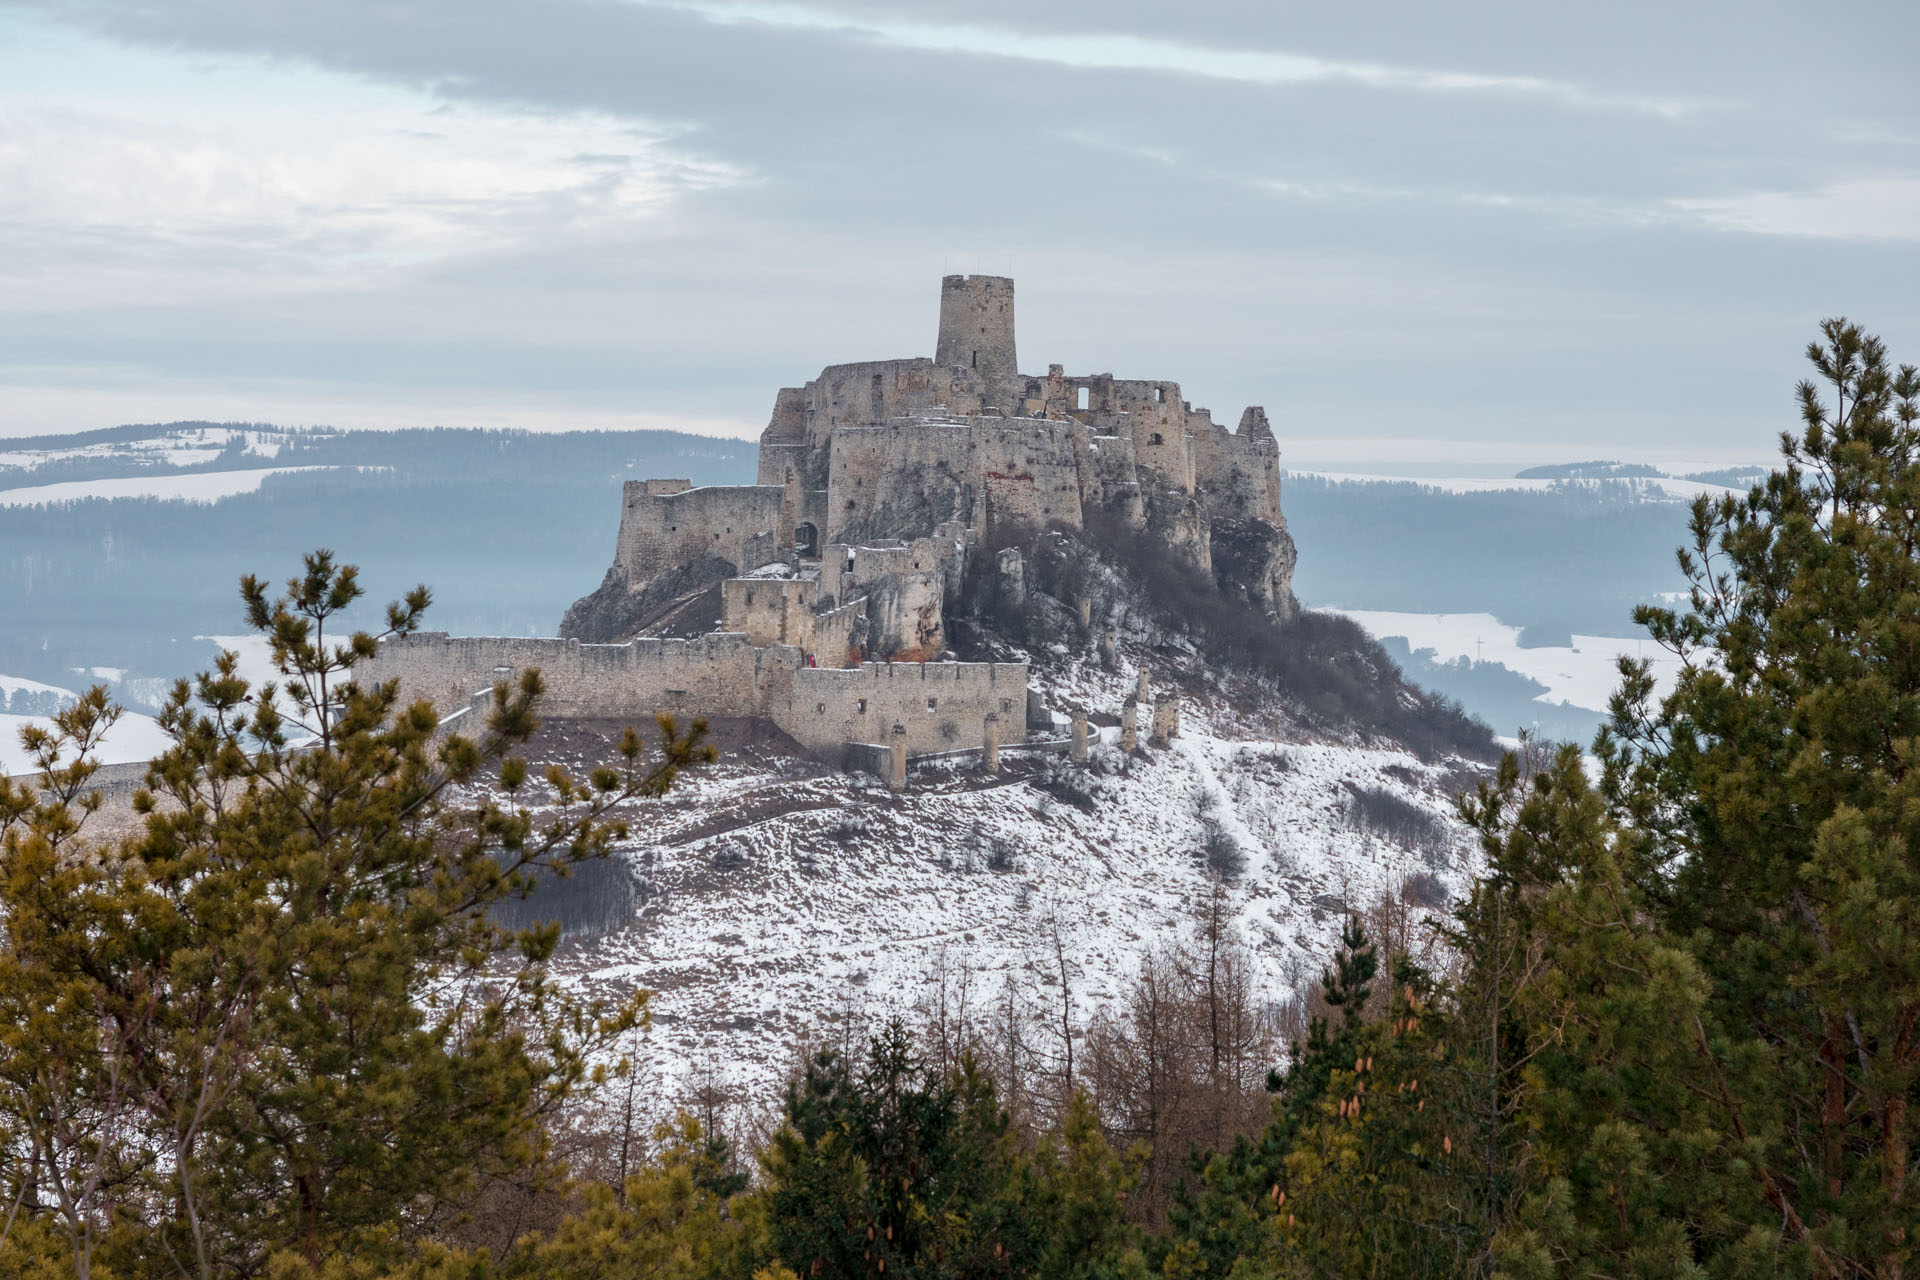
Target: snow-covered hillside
x=777 y=897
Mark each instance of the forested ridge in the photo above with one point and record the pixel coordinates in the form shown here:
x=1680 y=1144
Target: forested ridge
x=511 y=527
x=1672 y=1030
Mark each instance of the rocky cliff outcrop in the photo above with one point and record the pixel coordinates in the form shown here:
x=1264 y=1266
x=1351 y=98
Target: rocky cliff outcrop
x=617 y=609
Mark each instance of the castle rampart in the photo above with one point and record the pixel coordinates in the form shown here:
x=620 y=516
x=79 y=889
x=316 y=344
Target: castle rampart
x=942 y=705
x=722 y=674
x=685 y=526
x=770 y=610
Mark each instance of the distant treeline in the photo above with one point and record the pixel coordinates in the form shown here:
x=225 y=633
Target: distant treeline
x=508 y=528
x=1576 y=558
x=446 y=453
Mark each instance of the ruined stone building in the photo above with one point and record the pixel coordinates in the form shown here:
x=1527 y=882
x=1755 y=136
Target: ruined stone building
x=816 y=597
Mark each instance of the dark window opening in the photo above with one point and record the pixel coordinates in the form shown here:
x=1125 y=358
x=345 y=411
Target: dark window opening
x=861 y=707
x=932 y=703
x=976 y=359
x=1157 y=438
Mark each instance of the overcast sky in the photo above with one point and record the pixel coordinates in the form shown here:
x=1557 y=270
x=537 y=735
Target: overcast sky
x=1485 y=233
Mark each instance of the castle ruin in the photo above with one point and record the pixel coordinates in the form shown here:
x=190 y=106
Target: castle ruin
x=817 y=597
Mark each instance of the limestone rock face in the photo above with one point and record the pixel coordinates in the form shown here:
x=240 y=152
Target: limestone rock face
x=1182 y=523
x=1255 y=560
x=615 y=611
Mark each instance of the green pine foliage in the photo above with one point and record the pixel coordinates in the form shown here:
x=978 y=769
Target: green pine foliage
x=278 y=1023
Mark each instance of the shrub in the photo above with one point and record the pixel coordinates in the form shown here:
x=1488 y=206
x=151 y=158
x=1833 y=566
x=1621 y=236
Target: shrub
x=1385 y=814
x=1222 y=852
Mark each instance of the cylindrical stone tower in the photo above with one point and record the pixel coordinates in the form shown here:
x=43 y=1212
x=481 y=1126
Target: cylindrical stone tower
x=976 y=326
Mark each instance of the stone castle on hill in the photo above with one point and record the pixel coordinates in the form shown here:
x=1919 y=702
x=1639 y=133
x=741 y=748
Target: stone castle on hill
x=816 y=598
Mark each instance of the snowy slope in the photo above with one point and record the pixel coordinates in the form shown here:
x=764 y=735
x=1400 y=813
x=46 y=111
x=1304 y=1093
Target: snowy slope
x=178 y=447
x=780 y=896
x=200 y=486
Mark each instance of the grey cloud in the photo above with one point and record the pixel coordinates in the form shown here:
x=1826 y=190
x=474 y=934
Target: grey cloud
x=1380 y=261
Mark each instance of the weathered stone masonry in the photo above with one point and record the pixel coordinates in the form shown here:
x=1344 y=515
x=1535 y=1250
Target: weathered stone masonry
x=831 y=577
x=941 y=706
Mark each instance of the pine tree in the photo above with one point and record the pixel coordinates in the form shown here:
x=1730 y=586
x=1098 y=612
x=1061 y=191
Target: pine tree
x=894 y=1170
x=279 y=1022
x=1780 y=809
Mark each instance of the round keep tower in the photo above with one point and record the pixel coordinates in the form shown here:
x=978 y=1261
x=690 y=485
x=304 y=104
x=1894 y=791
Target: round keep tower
x=976 y=327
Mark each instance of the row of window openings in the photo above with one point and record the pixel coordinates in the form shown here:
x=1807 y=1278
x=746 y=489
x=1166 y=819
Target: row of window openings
x=933 y=704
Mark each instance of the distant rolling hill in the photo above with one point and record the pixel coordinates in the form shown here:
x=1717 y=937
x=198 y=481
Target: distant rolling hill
x=118 y=547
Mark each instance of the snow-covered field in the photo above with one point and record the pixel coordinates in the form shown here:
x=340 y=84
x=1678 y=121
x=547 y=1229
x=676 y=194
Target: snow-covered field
x=183 y=447
x=1584 y=674
x=8 y=684
x=198 y=486
x=133 y=739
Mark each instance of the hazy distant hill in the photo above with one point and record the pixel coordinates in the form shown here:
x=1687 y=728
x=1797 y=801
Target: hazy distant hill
x=1564 y=557
x=507 y=527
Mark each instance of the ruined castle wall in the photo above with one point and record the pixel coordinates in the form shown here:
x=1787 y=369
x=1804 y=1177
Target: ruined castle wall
x=1030 y=470
x=1087 y=399
x=1110 y=478
x=1154 y=417
x=942 y=706
x=659 y=532
x=839 y=635
x=1238 y=473
x=721 y=674
x=899 y=480
x=769 y=610
x=845 y=569
x=777 y=457
x=906 y=586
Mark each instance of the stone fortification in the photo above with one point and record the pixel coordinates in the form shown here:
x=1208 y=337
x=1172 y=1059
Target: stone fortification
x=674 y=539
x=976 y=331
x=939 y=706
x=830 y=579
x=891 y=448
